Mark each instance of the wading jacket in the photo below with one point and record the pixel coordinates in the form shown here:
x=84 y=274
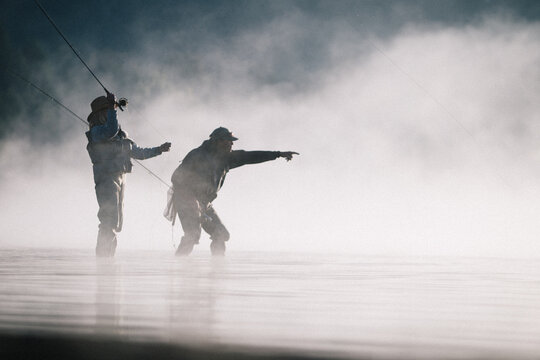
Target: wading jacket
x=111 y=151
x=203 y=171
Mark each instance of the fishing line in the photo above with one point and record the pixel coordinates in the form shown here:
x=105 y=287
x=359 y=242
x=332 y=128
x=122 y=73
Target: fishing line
x=122 y=102
x=424 y=90
x=136 y=113
x=78 y=117
x=120 y=105
x=172 y=237
x=436 y=101
x=441 y=105
x=46 y=94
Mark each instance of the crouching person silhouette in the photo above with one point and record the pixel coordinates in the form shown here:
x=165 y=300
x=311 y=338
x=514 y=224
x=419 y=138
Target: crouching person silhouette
x=198 y=179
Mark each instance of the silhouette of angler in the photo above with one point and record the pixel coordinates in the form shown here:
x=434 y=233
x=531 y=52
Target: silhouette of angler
x=196 y=183
x=111 y=151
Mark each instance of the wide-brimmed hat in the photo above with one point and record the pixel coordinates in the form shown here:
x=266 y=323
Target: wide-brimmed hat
x=99 y=103
x=222 y=133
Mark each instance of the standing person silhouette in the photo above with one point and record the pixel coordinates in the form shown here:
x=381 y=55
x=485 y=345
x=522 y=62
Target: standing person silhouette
x=111 y=151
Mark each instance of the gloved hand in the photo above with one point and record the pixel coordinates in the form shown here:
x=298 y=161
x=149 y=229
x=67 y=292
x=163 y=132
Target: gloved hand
x=165 y=147
x=111 y=98
x=288 y=154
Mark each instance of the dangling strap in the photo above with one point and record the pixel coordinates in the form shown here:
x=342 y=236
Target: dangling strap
x=172 y=235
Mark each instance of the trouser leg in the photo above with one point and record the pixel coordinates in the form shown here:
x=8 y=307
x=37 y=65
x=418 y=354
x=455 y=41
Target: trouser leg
x=109 y=193
x=106 y=243
x=218 y=232
x=189 y=213
x=120 y=211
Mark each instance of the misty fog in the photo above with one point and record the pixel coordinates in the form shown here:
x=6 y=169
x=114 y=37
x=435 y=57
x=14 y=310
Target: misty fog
x=424 y=142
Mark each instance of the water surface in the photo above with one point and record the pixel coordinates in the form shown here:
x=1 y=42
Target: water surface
x=342 y=305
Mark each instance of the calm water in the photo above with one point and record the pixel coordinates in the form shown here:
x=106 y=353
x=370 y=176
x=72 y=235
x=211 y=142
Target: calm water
x=342 y=305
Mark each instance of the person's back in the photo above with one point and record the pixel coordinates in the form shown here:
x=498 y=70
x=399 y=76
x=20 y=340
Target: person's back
x=196 y=172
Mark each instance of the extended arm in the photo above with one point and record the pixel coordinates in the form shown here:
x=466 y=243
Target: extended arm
x=241 y=157
x=146 y=153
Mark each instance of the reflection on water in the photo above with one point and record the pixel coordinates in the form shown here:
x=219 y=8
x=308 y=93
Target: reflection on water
x=375 y=306
x=107 y=303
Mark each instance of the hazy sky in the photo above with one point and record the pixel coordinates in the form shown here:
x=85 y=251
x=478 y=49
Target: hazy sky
x=417 y=121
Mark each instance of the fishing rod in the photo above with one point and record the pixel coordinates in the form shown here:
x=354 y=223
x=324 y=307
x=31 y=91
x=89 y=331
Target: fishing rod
x=69 y=44
x=122 y=102
x=20 y=77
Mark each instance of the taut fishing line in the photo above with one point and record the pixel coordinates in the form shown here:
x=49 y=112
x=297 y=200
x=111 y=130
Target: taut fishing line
x=67 y=42
x=437 y=102
x=17 y=75
x=122 y=102
x=440 y=104
x=20 y=77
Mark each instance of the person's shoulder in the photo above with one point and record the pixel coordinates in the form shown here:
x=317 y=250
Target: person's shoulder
x=194 y=154
x=237 y=152
x=236 y=156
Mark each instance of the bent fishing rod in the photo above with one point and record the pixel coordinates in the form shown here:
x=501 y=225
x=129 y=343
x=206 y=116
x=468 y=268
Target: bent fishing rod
x=20 y=77
x=122 y=102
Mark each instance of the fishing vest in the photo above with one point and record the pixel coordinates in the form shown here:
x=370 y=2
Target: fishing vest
x=201 y=173
x=112 y=156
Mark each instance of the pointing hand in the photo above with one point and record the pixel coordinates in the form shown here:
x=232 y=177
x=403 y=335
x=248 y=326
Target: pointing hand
x=288 y=154
x=111 y=98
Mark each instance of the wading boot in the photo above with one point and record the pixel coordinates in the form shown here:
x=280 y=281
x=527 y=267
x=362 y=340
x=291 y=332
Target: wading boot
x=217 y=248
x=185 y=248
x=106 y=247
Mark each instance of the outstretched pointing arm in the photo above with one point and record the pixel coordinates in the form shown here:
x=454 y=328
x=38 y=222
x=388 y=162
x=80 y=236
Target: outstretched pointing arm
x=288 y=154
x=242 y=157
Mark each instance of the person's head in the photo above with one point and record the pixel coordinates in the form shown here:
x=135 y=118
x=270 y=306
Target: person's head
x=99 y=107
x=222 y=139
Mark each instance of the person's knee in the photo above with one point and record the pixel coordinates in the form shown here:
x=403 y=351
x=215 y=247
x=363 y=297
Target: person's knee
x=106 y=230
x=108 y=215
x=192 y=236
x=226 y=235
x=191 y=227
x=221 y=234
